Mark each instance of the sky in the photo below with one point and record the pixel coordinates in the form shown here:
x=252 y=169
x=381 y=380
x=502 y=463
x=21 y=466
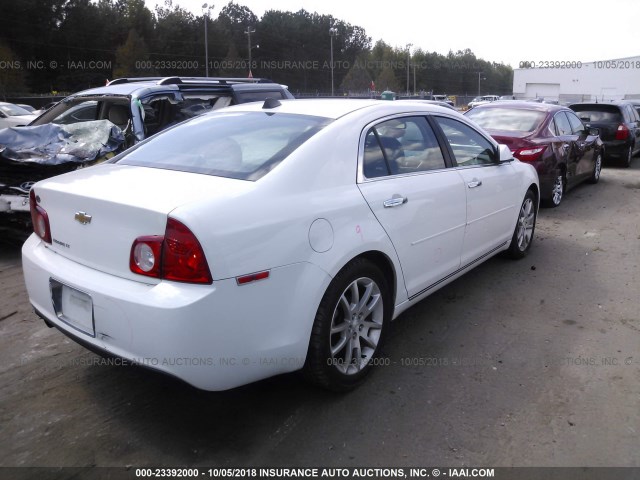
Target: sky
x=499 y=31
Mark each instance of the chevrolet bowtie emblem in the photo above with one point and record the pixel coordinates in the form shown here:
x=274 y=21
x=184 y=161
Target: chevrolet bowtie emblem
x=83 y=218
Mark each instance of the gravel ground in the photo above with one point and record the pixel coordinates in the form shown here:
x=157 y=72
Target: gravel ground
x=527 y=363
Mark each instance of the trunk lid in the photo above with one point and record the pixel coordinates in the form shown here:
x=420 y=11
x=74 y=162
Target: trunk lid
x=96 y=213
x=513 y=140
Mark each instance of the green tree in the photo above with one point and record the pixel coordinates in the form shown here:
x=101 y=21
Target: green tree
x=129 y=56
x=12 y=73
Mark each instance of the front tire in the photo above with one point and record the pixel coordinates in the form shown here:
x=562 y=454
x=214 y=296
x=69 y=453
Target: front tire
x=525 y=226
x=350 y=327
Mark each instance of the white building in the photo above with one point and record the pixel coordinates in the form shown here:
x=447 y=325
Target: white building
x=605 y=80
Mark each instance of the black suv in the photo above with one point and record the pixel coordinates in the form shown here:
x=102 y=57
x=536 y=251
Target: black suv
x=619 y=125
x=79 y=130
x=142 y=107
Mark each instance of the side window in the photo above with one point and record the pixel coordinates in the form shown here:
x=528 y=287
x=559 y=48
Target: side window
x=82 y=112
x=468 y=146
x=562 y=124
x=399 y=146
x=577 y=127
x=631 y=113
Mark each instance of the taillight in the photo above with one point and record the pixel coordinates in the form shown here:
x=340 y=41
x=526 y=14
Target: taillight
x=622 y=133
x=176 y=256
x=146 y=256
x=39 y=218
x=183 y=259
x=529 y=154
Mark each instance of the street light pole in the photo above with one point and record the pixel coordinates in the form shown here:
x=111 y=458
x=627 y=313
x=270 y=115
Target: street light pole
x=415 y=90
x=409 y=45
x=248 y=34
x=333 y=31
x=205 y=14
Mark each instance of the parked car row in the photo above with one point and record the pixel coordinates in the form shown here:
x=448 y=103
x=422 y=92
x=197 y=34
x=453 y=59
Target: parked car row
x=549 y=137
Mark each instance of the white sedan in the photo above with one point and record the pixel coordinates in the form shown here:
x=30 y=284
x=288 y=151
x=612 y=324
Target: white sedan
x=12 y=115
x=266 y=238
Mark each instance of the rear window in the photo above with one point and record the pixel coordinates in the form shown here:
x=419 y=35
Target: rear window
x=598 y=113
x=510 y=119
x=242 y=145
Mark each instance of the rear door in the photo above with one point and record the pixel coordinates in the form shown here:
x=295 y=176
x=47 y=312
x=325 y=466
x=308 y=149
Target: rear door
x=633 y=125
x=417 y=198
x=564 y=145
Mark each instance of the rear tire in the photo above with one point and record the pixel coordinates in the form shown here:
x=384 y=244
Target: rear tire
x=525 y=227
x=558 y=191
x=626 y=161
x=597 y=169
x=349 y=328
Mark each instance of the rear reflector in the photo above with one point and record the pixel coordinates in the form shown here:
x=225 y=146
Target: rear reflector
x=253 y=277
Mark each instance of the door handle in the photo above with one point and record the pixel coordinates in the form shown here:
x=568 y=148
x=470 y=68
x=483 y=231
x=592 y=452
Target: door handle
x=395 y=201
x=474 y=183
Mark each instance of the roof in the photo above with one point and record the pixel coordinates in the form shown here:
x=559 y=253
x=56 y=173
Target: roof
x=523 y=105
x=128 y=86
x=336 y=108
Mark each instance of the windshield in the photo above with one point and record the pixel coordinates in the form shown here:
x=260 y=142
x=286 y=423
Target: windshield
x=11 y=110
x=509 y=119
x=244 y=145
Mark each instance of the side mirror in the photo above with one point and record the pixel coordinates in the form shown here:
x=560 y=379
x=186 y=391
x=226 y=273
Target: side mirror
x=594 y=131
x=504 y=154
x=2 y=115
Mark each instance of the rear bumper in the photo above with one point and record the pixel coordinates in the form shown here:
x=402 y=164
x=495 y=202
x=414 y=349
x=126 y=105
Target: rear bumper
x=616 y=148
x=214 y=337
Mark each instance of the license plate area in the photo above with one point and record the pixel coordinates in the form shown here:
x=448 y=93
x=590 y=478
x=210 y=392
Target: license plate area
x=73 y=307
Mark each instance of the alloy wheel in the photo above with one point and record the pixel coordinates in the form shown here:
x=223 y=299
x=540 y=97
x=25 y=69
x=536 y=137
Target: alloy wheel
x=356 y=326
x=526 y=222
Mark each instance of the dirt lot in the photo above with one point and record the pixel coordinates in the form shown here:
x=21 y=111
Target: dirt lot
x=529 y=363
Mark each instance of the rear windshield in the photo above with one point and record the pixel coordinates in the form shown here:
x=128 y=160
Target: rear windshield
x=598 y=113
x=242 y=145
x=510 y=119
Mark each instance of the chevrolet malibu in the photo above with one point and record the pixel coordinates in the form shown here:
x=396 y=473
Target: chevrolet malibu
x=272 y=237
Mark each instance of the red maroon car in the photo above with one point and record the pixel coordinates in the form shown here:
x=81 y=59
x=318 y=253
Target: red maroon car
x=549 y=137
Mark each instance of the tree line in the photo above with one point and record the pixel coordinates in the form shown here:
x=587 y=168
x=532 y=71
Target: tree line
x=70 y=45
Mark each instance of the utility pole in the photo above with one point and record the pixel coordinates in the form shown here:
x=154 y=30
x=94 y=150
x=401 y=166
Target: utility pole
x=409 y=45
x=248 y=33
x=205 y=15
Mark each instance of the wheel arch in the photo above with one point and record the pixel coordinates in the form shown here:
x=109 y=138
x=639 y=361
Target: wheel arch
x=536 y=191
x=385 y=264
